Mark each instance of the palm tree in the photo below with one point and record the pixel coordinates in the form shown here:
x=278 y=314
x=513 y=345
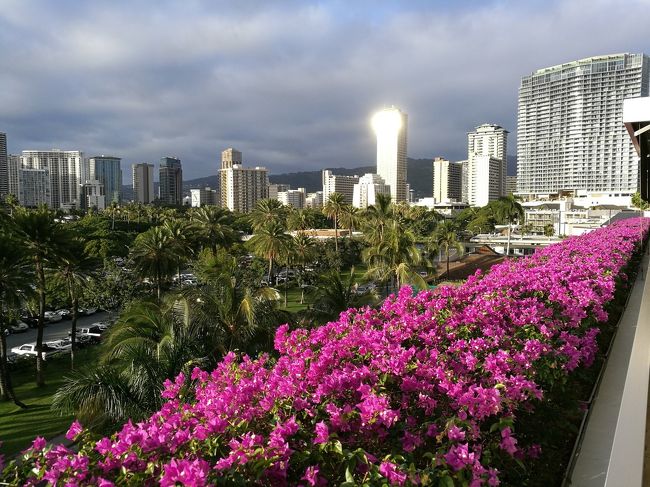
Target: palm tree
x=180 y=237
x=113 y=211
x=509 y=210
x=444 y=239
x=15 y=281
x=267 y=212
x=303 y=252
x=12 y=202
x=231 y=314
x=215 y=226
x=44 y=241
x=336 y=293
x=73 y=274
x=151 y=342
x=270 y=242
x=394 y=258
x=376 y=218
x=350 y=218
x=333 y=209
x=154 y=256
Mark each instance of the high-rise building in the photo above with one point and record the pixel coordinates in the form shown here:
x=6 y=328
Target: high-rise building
x=511 y=185
x=335 y=183
x=570 y=134
x=365 y=192
x=171 y=181
x=204 y=197
x=92 y=195
x=242 y=187
x=447 y=180
x=4 y=170
x=67 y=171
x=13 y=174
x=293 y=197
x=489 y=140
x=231 y=157
x=484 y=180
x=464 y=181
x=390 y=126
x=34 y=187
x=108 y=171
x=314 y=200
x=277 y=188
x=142 y=183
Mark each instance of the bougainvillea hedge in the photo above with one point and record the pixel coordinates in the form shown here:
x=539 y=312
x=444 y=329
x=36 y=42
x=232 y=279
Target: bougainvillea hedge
x=425 y=390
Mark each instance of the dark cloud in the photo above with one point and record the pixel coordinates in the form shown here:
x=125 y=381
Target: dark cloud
x=292 y=84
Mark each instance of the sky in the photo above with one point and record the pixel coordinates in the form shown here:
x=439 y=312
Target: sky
x=291 y=84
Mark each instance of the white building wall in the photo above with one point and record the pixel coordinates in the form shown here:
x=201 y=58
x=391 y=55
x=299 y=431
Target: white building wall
x=391 y=126
x=365 y=192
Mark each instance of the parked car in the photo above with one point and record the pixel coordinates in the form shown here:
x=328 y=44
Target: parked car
x=52 y=317
x=87 y=311
x=18 y=327
x=91 y=333
x=64 y=344
x=66 y=314
x=32 y=321
x=30 y=349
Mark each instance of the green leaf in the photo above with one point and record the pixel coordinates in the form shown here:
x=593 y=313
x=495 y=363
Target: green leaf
x=348 y=475
x=446 y=482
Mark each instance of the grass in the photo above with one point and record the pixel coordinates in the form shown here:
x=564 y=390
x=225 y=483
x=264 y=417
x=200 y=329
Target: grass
x=18 y=427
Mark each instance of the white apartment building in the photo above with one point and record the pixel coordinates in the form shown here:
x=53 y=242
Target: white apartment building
x=293 y=197
x=314 y=200
x=67 y=171
x=366 y=190
x=242 y=187
x=485 y=181
x=143 y=183
x=447 y=180
x=390 y=126
x=334 y=183
x=488 y=140
x=34 y=187
x=204 y=197
x=570 y=133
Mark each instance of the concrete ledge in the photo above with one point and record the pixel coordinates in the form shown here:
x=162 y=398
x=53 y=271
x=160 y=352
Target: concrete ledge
x=612 y=450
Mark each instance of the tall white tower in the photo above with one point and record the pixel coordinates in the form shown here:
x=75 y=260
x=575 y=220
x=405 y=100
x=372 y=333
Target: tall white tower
x=390 y=126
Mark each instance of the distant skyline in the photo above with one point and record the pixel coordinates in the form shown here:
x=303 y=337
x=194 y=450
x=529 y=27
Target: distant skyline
x=291 y=84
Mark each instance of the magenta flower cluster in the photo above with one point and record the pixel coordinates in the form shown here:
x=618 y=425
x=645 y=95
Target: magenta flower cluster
x=426 y=387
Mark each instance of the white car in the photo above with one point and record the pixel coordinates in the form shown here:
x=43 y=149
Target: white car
x=52 y=317
x=64 y=344
x=30 y=349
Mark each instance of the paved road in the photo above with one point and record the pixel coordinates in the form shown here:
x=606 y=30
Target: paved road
x=54 y=331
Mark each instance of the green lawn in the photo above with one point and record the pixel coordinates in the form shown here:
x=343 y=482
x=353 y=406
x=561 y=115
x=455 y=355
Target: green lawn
x=18 y=427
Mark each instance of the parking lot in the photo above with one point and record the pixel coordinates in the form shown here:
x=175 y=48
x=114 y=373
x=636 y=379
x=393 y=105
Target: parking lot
x=55 y=331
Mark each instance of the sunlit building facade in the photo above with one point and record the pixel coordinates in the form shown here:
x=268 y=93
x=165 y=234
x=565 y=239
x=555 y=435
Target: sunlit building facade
x=390 y=126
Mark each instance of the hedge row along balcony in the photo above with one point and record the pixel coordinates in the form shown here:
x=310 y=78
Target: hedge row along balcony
x=426 y=390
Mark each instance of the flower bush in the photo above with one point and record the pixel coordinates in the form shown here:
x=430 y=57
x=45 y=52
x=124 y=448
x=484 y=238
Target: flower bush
x=425 y=390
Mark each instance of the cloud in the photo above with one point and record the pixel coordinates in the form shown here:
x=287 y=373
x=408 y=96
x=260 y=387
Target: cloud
x=291 y=84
